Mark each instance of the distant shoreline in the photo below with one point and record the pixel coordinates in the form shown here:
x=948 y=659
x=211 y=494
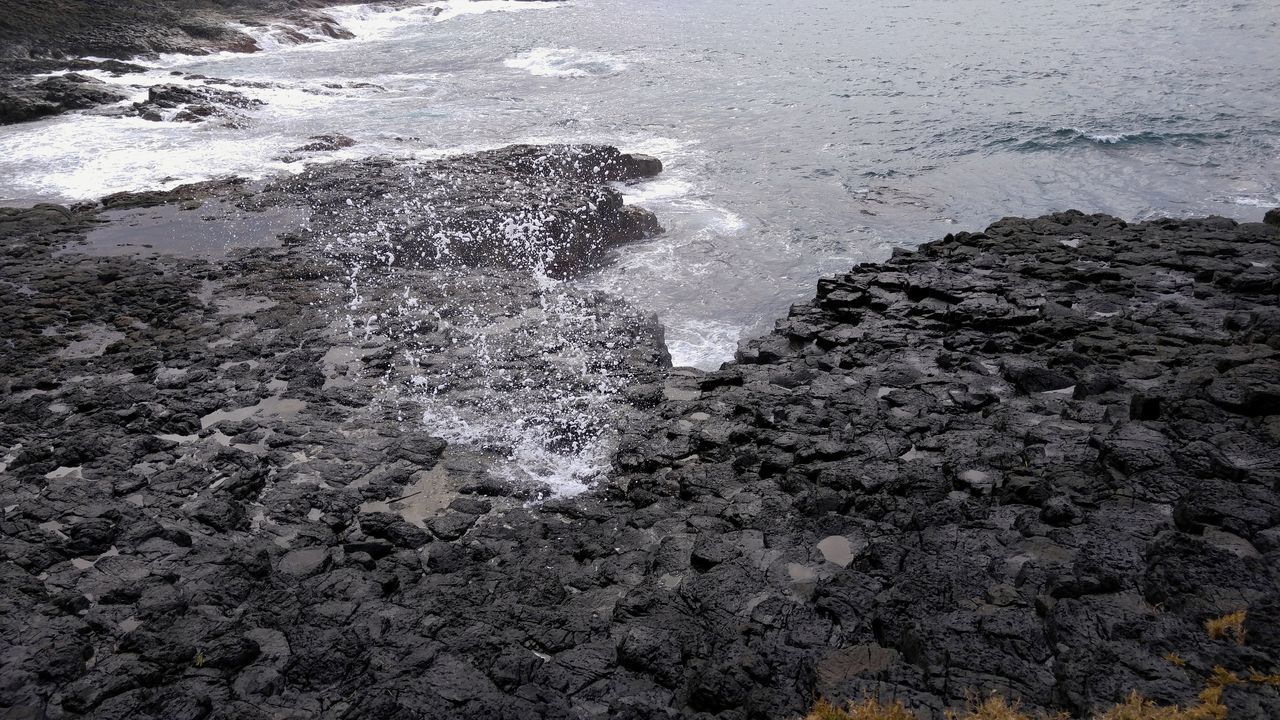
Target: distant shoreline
x=46 y=45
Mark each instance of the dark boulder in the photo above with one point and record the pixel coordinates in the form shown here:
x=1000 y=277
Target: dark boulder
x=22 y=100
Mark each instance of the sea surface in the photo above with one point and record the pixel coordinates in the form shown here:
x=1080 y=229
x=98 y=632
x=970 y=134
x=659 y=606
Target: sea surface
x=800 y=137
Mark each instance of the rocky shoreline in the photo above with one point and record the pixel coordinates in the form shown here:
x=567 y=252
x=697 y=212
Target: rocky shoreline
x=1032 y=460
x=125 y=29
x=44 y=45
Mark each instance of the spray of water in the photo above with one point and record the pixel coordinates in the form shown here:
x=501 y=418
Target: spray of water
x=463 y=303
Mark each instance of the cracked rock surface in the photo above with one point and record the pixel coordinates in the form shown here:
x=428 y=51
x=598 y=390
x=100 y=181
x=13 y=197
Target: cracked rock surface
x=1034 y=460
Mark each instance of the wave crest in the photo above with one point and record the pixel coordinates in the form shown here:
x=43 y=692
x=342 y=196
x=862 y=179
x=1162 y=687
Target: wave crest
x=566 y=62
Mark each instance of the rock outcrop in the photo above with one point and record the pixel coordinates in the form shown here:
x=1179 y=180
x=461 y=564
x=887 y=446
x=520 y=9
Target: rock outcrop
x=22 y=100
x=189 y=103
x=42 y=36
x=128 y=28
x=482 y=209
x=1034 y=460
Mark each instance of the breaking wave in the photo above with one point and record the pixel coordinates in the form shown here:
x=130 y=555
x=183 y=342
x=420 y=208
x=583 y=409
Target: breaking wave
x=1043 y=139
x=566 y=62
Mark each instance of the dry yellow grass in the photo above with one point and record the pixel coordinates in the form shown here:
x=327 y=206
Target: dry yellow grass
x=1208 y=704
x=1135 y=707
x=1230 y=624
x=994 y=707
x=1221 y=677
x=868 y=709
x=1258 y=678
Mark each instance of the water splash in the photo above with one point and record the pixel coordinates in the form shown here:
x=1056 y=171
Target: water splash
x=513 y=362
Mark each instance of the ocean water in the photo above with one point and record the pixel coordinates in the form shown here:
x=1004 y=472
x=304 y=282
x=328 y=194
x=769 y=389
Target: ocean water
x=800 y=137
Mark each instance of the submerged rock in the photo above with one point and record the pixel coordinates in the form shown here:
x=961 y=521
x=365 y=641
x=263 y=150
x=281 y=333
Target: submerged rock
x=325 y=143
x=188 y=103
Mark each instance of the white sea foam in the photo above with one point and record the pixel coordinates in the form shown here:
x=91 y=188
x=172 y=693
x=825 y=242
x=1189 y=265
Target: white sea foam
x=525 y=446
x=86 y=155
x=1102 y=138
x=56 y=160
x=455 y=8
x=369 y=21
x=1261 y=200
x=661 y=189
x=701 y=342
x=676 y=196
x=374 y=20
x=566 y=62
x=279 y=36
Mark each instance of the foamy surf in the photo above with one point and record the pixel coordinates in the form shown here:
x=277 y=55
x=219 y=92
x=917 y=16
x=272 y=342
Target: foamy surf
x=522 y=445
x=363 y=22
x=128 y=154
x=374 y=21
x=702 y=342
x=1258 y=200
x=54 y=160
x=457 y=8
x=566 y=63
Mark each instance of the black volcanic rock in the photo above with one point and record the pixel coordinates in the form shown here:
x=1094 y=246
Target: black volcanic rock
x=1033 y=460
x=558 y=191
x=1122 y=458
x=22 y=100
x=193 y=104
x=125 y=28
x=325 y=143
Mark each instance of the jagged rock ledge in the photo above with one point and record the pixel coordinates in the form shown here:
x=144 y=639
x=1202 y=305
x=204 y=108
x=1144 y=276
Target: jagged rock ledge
x=183 y=421
x=1031 y=460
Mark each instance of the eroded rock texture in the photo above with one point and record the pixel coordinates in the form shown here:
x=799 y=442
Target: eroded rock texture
x=1032 y=460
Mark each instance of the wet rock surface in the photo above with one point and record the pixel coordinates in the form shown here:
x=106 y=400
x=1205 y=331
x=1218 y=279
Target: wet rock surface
x=126 y=28
x=1032 y=460
x=184 y=103
x=25 y=98
x=51 y=36
x=179 y=435
x=479 y=210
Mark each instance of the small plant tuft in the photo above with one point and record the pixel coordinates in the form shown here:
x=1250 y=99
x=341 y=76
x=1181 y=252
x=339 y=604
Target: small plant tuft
x=1258 y=678
x=1222 y=677
x=868 y=709
x=994 y=707
x=1231 y=624
x=1136 y=707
